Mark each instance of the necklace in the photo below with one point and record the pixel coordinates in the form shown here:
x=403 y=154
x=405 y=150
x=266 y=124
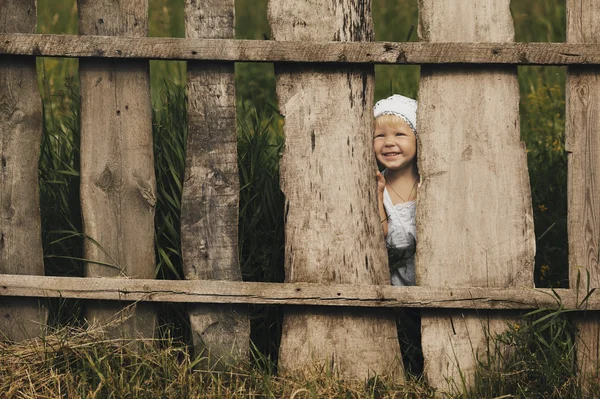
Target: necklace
x=395 y=192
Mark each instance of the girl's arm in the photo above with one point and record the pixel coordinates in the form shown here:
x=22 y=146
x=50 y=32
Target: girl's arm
x=382 y=213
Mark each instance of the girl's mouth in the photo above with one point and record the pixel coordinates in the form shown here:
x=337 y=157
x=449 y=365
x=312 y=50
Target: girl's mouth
x=391 y=154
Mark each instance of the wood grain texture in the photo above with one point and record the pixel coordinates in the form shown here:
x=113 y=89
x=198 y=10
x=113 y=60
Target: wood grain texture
x=299 y=51
x=583 y=149
x=20 y=138
x=474 y=207
x=118 y=187
x=307 y=294
x=209 y=210
x=331 y=226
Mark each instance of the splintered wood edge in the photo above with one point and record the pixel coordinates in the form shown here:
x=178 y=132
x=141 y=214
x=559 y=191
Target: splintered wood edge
x=308 y=52
x=211 y=291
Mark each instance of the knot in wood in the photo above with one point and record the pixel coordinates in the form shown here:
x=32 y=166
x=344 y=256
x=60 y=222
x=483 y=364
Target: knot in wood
x=105 y=180
x=17 y=117
x=8 y=211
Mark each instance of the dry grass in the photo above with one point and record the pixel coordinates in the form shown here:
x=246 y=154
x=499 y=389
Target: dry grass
x=85 y=363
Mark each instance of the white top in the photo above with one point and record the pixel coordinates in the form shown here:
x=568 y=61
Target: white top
x=401 y=239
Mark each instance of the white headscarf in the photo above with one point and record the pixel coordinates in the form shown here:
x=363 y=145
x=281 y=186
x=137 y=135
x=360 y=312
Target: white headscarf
x=403 y=107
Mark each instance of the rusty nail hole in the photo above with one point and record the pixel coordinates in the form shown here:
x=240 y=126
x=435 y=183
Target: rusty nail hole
x=100 y=21
x=118 y=112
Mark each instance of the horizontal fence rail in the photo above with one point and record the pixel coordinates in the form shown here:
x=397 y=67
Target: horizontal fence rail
x=211 y=291
x=308 y=52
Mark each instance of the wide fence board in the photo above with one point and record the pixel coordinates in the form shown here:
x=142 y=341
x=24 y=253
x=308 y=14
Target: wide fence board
x=20 y=139
x=209 y=207
x=583 y=149
x=327 y=174
x=118 y=186
x=299 y=51
x=474 y=210
x=309 y=294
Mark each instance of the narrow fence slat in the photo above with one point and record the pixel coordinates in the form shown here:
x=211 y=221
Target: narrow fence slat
x=583 y=149
x=332 y=230
x=474 y=207
x=20 y=139
x=309 y=294
x=209 y=210
x=299 y=51
x=118 y=186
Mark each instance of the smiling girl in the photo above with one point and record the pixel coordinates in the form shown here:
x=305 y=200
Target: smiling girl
x=395 y=146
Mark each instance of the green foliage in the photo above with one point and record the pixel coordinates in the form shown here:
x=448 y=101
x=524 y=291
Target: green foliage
x=59 y=184
x=543 y=130
x=534 y=358
x=396 y=21
x=59 y=194
x=170 y=138
x=261 y=236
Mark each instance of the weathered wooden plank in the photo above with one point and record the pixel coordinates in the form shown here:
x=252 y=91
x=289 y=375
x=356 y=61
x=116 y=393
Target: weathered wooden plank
x=118 y=187
x=474 y=208
x=300 y=51
x=583 y=149
x=209 y=209
x=332 y=230
x=308 y=294
x=20 y=138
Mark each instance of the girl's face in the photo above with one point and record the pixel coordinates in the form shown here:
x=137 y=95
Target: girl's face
x=395 y=143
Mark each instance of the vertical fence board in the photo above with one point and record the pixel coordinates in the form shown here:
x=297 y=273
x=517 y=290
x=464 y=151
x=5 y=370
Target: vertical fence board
x=20 y=138
x=209 y=214
x=475 y=223
x=118 y=186
x=327 y=175
x=583 y=148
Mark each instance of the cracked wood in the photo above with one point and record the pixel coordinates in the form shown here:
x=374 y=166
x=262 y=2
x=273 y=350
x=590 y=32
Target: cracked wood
x=583 y=150
x=209 y=207
x=118 y=187
x=311 y=294
x=20 y=138
x=332 y=230
x=299 y=51
x=474 y=208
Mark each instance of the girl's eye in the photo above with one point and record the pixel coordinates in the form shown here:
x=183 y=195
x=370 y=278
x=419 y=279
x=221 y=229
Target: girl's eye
x=400 y=134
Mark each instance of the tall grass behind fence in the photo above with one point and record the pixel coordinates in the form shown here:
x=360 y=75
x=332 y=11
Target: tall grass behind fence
x=542 y=112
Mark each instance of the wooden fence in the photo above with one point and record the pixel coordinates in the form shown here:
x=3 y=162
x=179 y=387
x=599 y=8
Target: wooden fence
x=476 y=240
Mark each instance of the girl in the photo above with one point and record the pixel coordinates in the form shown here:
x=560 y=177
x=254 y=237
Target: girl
x=395 y=145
